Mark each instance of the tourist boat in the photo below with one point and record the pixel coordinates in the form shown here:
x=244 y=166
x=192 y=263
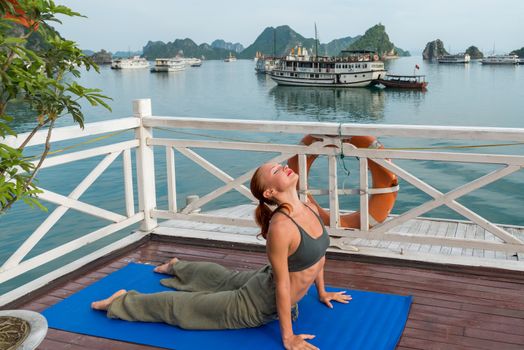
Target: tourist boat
x=352 y=69
x=501 y=59
x=191 y=61
x=458 y=58
x=135 y=62
x=413 y=82
x=168 y=65
x=195 y=62
x=264 y=65
x=231 y=58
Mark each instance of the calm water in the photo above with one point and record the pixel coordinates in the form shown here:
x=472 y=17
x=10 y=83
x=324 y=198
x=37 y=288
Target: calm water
x=472 y=95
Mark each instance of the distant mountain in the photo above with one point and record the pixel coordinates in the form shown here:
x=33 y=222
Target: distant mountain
x=221 y=44
x=280 y=40
x=402 y=53
x=334 y=47
x=276 y=41
x=88 y=52
x=519 y=52
x=376 y=39
x=474 y=52
x=434 y=49
x=184 y=47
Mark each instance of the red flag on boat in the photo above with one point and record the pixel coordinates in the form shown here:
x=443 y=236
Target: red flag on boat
x=417 y=67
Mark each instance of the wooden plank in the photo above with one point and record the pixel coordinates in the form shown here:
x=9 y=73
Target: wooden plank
x=459 y=340
x=480 y=234
x=71 y=132
x=469 y=234
x=145 y=165
x=345 y=129
x=82 y=207
x=214 y=170
x=460 y=232
x=128 y=183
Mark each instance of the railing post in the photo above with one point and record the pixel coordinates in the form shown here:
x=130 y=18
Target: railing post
x=302 y=171
x=334 y=217
x=364 y=198
x=145 y=165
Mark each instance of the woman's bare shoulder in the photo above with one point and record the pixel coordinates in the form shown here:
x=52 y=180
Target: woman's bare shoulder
x=280 y=225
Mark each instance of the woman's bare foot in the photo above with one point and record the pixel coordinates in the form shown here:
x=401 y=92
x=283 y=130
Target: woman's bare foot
x=164 y=268
x=104 y=304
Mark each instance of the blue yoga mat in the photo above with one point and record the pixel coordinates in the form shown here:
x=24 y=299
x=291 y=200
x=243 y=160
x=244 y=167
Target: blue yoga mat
x=370 y=321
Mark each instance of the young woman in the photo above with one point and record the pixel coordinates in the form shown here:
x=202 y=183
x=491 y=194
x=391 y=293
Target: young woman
x=213 y=297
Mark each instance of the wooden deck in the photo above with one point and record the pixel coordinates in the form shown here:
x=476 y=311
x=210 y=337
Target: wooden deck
x=453 y=308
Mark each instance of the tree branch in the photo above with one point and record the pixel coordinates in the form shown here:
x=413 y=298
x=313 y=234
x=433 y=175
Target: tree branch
x=30 y=136
x=35 y=171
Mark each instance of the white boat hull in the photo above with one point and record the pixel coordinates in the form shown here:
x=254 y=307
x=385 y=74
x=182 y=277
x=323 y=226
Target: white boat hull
x=167 y=69
x=130 y=63
x=501 y=60
x=360 y=79
x=168 y=65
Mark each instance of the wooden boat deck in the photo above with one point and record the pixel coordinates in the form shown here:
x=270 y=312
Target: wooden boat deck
x=452 y=308
x=389 y=249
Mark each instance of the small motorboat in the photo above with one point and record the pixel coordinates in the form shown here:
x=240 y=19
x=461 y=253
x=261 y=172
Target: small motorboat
x=414 y=82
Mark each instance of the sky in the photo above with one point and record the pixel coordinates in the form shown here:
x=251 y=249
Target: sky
x=122 y=25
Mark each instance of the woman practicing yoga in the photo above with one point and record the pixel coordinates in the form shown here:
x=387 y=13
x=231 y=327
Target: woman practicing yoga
x=210 y=296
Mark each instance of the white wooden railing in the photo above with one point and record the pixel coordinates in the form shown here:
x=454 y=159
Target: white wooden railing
x=143 y=124
x=509 y=164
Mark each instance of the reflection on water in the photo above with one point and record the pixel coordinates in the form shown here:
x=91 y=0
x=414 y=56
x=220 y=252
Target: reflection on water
x=263 y=79
x=413 y=97
x=330 y=104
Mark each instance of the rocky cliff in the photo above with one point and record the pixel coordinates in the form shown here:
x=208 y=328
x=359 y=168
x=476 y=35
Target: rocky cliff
x=183 y=47
x=434 y=49
x=102 y=57
x=474 y=53
x=519 y=52
x=222 y=44
x=376 y=39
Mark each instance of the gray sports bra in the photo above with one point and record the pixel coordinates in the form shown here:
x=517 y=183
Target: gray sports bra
x=310 y=250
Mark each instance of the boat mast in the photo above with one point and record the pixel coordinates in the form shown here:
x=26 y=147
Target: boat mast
x=274 y=42
x=316 y=41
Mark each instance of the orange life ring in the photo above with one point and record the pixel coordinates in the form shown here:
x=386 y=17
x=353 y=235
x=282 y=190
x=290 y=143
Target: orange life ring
x=375 y=58
x=380 y=205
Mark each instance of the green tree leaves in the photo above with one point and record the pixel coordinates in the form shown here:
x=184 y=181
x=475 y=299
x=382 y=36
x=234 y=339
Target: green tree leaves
x=36 y=66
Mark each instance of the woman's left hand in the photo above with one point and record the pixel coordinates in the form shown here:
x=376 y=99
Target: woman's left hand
x=340 y=297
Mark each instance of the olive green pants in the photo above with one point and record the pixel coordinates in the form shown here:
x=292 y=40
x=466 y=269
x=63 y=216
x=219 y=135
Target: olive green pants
x=208 y=296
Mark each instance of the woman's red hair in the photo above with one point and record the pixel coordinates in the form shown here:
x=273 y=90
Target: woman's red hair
x=263 y=213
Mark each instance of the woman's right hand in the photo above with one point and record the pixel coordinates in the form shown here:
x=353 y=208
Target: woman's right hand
x=298 y=342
